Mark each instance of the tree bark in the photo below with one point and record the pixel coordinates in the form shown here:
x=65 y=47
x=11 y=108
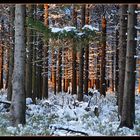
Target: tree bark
x=97 y=82
x=1 y=54
x=34 y=79
x=103 y=59
x=117 y=66
x=74 y=79
x=59 y=70
x=39 y=64
x=29 y=56
x=128 y=109
x=45 y=55
x=87 y=55
x=122 y=55
x=18 y=105
x=65 y=80
x=81 y=63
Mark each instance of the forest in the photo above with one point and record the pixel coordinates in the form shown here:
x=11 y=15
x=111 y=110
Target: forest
x=69 y=69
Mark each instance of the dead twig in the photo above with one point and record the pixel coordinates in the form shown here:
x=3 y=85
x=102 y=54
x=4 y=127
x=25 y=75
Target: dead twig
x=69 y=130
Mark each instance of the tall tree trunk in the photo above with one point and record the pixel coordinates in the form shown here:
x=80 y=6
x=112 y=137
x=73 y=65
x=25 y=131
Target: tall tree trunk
x=45 y=55
x=81 y=63
x=18 y=104
x=65 y=80
x=7 y=67
x=74 y=84
x=117 y=66
x=39 y=67
x=34 y=79
x=34 y=85
x=139 y=76
x=40 y=44
x=112 y=71
x=29 y=56
x=103 y=60
x=1 y=54
x=59 y=70
x=55 y=72
x=98 y=69
x=87 y=55
x=128 y=109
x=1 y=66
x=122 y=55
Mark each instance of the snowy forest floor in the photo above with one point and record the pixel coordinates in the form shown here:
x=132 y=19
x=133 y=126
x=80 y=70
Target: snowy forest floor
x=63 y=111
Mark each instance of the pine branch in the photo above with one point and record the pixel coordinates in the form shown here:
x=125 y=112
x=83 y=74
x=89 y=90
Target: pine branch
x=46 y=31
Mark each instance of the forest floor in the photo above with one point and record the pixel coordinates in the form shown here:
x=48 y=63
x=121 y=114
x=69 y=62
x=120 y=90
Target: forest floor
x=63 y=115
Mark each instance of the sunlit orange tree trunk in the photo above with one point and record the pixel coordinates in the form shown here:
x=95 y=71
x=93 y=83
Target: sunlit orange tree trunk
x=45 y=56
x=103 y=60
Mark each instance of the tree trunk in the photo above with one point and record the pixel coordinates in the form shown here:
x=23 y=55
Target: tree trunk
x=39 y=64
x=139 y=76
x=74 y=84
x=45 y=55
x=55 y=72
x=59 y=70
x=103 y=60
x=97 y=82
x=34 y=79
x=117 y=67
x=112 y=71
x=65 y=80
x=29 y=56
x=87 y=55
x=122 y=55
x=1 y=54
x=81 y=63
x=18 y=104
x=34 y=71
x=128 y=109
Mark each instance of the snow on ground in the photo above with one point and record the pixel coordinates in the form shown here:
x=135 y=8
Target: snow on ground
x=63 y=115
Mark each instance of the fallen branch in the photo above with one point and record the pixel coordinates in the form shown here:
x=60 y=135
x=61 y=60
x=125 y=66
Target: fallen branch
x=67 y=129
x=9 y=103
x=6 y=102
